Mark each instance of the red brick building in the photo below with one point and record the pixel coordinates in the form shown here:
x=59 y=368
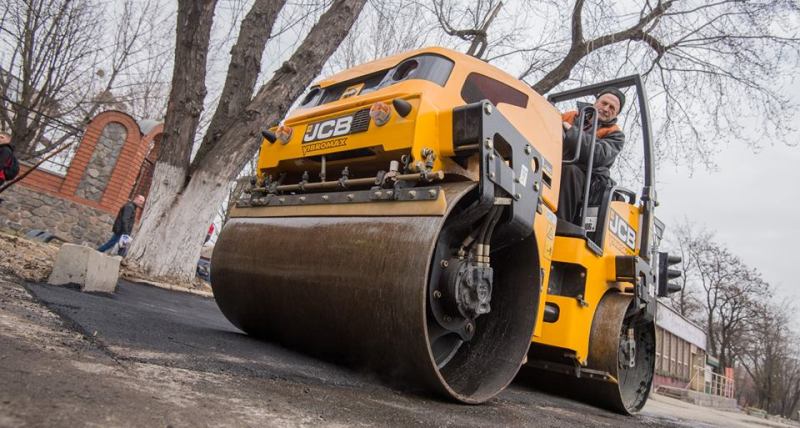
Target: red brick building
x=113 y=161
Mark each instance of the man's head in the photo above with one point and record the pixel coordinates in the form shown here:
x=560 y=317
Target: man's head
x=608 y=104
x=5 y=138
x=138 y=200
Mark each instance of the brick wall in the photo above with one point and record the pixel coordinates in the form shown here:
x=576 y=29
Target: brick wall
x=104 y=159
x=152 y=143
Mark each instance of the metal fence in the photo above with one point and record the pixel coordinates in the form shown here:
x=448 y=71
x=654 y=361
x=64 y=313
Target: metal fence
x=705 y=380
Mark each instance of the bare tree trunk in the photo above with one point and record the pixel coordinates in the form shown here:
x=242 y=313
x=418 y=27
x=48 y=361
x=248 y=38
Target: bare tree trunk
x=243 y=70
x=176 y=218
x=710 y=332
x=183 y=115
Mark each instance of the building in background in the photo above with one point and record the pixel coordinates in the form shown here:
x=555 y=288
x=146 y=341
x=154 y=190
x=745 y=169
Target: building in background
x=684 y=370
x=78 y=200
x=680 y=351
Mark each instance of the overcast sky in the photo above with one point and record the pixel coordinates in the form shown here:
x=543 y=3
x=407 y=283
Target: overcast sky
x=750 y=200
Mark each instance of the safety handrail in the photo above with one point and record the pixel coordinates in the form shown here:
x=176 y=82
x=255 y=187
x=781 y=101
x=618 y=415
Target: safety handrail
x=589 y=161
x=648 y=197
x=581 y=120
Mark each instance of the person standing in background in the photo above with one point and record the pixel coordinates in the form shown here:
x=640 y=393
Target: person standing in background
x=123 y=225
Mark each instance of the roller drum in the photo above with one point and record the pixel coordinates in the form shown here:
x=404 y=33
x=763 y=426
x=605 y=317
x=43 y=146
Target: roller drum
x=608 y=380
x=608 y=352
x=355 y=290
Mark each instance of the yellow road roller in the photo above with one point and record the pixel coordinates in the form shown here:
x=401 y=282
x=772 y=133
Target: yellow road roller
x=402 y=219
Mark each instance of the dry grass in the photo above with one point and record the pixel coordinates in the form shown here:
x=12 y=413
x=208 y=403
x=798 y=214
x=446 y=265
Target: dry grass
x=26 y=259
x=33 y=261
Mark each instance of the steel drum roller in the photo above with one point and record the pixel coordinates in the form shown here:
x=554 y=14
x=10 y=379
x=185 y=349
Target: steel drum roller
x=355 y=290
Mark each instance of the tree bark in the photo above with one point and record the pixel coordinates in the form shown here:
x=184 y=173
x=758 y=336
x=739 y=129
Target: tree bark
x=170 y=176
x=243 y=71
x=175 y=222
x=188 y=89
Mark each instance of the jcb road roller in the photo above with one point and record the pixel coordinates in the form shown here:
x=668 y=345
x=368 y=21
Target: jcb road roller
x=402 y=219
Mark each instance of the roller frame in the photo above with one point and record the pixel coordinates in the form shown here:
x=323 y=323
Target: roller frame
x=482 y=124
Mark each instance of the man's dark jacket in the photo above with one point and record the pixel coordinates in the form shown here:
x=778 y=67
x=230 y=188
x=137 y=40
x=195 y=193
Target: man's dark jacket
x=123 y=224
x=610 y=140
x=7 y=160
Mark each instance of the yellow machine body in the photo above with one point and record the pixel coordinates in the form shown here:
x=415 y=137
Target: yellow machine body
x=572 y=329
x=331 y=294
x=429 y=125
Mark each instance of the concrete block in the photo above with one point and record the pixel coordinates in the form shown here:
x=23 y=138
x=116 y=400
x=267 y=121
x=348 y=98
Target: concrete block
x=86 y=267
x=70 y=266
x=102 y=273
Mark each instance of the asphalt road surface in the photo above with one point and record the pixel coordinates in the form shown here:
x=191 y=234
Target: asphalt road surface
x=148 y=356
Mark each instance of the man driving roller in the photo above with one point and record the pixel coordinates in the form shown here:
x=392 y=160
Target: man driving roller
x=608 y=144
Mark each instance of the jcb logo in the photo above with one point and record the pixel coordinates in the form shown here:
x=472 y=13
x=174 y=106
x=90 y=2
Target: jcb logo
x=622 y=230
x=328 y=128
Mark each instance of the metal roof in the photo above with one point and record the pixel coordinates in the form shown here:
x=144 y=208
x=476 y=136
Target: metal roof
x=673 y=322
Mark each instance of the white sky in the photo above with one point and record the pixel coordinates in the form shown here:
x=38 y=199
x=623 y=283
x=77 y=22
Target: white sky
x=751 y=201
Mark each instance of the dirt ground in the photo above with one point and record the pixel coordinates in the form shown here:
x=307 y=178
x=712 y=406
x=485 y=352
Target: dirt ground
x=33 y=261
x=56 y=376
x=151 y=357
x=29 y=260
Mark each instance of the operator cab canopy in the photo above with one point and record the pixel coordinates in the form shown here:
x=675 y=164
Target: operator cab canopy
x=444 y=67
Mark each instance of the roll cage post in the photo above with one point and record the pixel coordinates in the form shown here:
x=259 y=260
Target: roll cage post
x=648 y=198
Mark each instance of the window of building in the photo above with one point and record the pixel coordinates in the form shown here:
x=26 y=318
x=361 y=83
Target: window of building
x=668 y=352
x=659 y=343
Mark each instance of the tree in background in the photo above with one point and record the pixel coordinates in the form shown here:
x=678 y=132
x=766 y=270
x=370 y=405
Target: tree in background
x=714 y=70
x=187 y=191
x=769 y=356
x=721 y=291
x=385 y=28
x=47 y=47
x=700 y=61
x=478 y=16
x=747 y=328
x=59 y=67
x=685 y=239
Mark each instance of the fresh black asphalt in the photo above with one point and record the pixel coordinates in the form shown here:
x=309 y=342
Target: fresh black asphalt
x=181 y=330
x=145 y=324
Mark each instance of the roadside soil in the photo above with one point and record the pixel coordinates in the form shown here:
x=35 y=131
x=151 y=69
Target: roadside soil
x=55 y=376
x=149 y=357
x=33 y=261
x=26 y=259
